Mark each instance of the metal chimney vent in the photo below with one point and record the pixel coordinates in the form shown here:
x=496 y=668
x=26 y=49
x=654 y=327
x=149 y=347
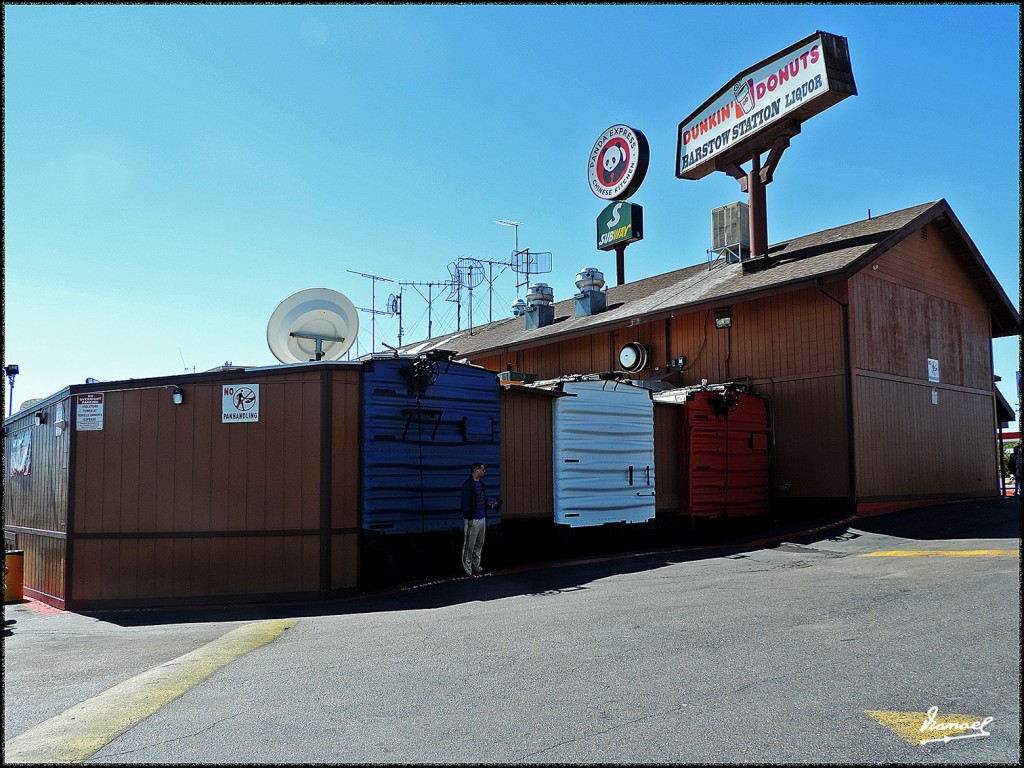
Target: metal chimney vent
x=591 y=299
x=540 y=306
x=730 y=231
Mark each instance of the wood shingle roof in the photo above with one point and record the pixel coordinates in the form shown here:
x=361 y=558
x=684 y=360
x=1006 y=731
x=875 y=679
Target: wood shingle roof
x=829 y=255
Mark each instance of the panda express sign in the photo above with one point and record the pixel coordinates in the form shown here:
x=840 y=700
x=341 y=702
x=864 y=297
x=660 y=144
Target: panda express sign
x=763 y=103
x=618 y=163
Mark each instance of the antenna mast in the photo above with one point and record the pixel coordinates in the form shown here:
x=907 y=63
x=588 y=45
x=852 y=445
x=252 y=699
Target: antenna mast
x=373 y=304
x=183 y=363
x=516 y=224
x=470 y=273
x=395 y=308
x=523 y=261
x=430 y=300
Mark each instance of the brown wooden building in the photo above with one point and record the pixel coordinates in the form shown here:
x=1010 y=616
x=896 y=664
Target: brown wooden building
x=872 y=342
x=156 y=503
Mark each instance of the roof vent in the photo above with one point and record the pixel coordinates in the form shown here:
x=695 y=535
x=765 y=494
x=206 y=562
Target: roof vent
x=518 y=308
x=540 y=306
x=591 y=299
x=730 y=231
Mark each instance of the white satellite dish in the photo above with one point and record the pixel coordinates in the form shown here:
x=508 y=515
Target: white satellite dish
x=311 y=325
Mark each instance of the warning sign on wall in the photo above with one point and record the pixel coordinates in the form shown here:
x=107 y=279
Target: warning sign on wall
x=241 y=402
x=89 y=410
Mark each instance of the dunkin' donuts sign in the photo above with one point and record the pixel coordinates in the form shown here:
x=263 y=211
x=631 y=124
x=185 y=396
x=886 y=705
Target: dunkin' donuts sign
x=618 y=163
x=794 y=84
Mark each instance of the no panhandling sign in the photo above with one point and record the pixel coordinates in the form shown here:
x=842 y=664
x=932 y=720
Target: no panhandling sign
x=240 y=402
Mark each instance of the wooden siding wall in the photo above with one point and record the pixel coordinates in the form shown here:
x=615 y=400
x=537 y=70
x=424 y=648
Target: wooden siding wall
x=344 y=501
x=666 y=458
x=35 y=505
x=526 y=484
x=918 y=305
x=171 y=504
x=44 y=575
x=809 y=449
x=909 y=447
x=788 y=347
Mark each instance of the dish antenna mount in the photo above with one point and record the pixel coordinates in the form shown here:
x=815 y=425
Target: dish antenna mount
x=394 y=305
x=312 y=325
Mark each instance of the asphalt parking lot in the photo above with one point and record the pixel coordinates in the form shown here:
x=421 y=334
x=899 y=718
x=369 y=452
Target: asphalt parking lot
x=825 y=643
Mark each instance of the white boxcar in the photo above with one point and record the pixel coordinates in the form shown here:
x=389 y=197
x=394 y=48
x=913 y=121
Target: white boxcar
x=603 y=453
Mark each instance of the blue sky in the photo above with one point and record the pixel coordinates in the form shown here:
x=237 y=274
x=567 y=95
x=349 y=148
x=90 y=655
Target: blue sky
x=172 y=173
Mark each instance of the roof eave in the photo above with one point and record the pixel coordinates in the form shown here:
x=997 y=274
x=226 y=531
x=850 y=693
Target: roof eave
x=1006 y=320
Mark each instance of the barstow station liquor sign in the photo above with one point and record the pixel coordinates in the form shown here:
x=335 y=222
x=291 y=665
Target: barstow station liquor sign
x=764 y=103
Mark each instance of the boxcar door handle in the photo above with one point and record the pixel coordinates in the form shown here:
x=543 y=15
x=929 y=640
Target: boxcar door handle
x=630 y=474
x=648 y=475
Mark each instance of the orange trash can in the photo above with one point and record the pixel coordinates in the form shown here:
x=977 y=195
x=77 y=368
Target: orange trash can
x=14 y=591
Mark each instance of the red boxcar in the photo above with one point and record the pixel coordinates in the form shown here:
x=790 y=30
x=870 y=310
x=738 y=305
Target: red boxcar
x=724 y=439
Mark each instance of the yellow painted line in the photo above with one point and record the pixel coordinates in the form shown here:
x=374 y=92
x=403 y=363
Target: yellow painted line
x=922 y=728
x=945 y=553
x=84 y=729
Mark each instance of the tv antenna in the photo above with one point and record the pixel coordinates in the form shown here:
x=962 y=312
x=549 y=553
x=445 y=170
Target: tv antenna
x=470 y=273
x=502 y=265
x=510 y=223
x=429 y=298
x=455 y=294
x=394 y=307
x=183 y=363
x=311 y=325
x=525 y=262
x=373 y=304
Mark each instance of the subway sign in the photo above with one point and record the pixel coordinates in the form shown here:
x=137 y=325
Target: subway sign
x=764 y=103
x=619 y=224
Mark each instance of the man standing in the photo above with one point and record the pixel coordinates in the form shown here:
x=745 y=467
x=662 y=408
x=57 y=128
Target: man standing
x=1016 y=466
x=474 y=518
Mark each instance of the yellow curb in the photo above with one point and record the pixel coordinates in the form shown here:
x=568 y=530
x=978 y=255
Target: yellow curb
x=84 y=729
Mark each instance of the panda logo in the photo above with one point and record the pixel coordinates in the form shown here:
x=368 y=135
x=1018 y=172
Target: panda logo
x=617 y=162
x=614 y=162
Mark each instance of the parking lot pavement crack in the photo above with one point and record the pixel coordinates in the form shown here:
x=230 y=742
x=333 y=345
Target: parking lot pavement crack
x=183 y=737
x=617 y=726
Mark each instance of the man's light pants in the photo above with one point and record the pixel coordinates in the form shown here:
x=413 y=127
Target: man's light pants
x=473 y=532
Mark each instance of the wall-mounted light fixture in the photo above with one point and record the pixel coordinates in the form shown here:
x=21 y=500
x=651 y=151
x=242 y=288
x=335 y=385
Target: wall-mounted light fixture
x=60 y=420
x=723 y=317
x=40 y=417
x=178 y=396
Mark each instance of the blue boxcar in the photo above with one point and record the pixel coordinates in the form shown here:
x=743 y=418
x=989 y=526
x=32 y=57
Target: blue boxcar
x=425 y=420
